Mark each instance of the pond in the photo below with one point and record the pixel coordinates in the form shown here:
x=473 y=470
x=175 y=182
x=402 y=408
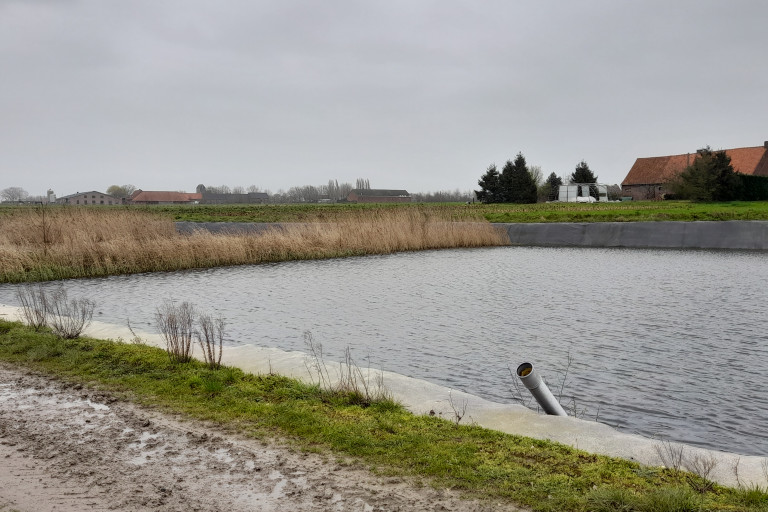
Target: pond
x=663 y=343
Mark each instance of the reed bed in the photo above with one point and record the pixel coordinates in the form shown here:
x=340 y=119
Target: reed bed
x=57 y=243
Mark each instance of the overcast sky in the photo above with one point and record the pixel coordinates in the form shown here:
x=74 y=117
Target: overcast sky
x=416 y=95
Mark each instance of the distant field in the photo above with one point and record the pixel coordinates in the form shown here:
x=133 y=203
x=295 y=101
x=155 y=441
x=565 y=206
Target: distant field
x=629 y=211
x=542 y=212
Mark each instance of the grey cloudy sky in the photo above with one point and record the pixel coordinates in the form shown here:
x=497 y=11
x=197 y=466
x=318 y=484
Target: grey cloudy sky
x=421 y=95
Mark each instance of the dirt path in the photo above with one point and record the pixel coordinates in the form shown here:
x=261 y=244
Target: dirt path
x=66 y=448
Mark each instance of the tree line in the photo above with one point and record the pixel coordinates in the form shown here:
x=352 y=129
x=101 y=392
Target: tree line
x=519 y=183
x=333 y=191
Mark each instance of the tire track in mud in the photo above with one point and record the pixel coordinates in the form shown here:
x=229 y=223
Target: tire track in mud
x=65 y=448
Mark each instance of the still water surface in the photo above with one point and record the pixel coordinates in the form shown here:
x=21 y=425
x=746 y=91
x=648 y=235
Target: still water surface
x=670 y=344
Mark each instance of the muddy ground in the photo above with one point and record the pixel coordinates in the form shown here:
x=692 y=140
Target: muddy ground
x=66 y=448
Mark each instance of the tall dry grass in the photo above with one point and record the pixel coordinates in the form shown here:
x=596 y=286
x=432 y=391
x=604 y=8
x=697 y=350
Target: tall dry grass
x=56 y=243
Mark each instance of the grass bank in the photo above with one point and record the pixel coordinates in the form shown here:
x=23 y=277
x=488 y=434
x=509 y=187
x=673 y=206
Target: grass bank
x=382 y=435
x=46 y=243
x=628 y=211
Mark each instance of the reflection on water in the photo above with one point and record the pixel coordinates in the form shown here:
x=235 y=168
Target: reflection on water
x=663 y=343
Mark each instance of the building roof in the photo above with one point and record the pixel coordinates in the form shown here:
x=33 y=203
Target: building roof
x=156 y=196
x=660 y=169
x=378 y=192
x=91 y=192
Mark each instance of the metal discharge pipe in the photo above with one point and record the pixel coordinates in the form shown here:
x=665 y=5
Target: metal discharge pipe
x=539 y=390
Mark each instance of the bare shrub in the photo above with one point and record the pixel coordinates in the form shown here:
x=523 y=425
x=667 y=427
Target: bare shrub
x=34 y=306
x=315 y=363
x=210 y=336
x=176 y=324
x=362 y=388
x=68 y=317
x=671 y=454
x=702 y=466
x=459 y=410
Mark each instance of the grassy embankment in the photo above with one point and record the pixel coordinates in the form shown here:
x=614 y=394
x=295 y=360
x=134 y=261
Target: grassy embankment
x=381 y=435
x=46 y=243
x=629 y=211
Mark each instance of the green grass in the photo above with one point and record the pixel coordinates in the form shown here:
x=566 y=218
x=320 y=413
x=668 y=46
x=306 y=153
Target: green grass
x=480 y=463
x=627 y=211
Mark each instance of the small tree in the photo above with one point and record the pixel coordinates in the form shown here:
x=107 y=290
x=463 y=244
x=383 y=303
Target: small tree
x=709 y=178
x=536 y=174
x=583 y=174
x=517 y=184
x=490 y=186
x=121 y=190
x=13 y=194
x=550 y=190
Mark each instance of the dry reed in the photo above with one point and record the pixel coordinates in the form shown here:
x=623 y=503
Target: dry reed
x=85 y=242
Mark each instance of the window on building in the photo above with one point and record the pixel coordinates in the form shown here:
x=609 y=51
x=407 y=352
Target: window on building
x=78 y=201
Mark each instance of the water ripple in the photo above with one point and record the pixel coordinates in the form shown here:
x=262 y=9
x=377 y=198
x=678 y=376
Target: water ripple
x=664 y=343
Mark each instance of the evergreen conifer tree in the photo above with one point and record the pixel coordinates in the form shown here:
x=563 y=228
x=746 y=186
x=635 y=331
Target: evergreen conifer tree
x=490 y=186
x=517 y=184
x=583 y=174
x=553 y=186
x=709 y=178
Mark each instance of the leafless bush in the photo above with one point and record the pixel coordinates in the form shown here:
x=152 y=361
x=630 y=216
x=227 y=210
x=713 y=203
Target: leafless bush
x=176 y=324
x=701 y=465
x=352 y=381
x=210 y=336
x=315 y=362
x=671 y=454
x=34 y=306
x=459 y=410
x=68 y=317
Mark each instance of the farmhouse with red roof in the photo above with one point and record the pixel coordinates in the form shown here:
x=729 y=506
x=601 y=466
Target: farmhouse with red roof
x=648 y=176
